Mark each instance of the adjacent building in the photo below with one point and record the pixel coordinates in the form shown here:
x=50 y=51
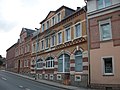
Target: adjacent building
x=59 y=51
x=10 y=58
x=104 y=29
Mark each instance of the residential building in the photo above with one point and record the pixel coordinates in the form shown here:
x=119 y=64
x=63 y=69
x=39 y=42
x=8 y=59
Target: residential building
x=103 y=22
x=59 y=51
x=10 y=58
x=23 y=52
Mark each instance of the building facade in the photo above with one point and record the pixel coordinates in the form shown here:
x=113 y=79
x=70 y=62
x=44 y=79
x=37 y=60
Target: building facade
x=10 y=58
x=59 y=51
x=23 y=52
x=104 y=29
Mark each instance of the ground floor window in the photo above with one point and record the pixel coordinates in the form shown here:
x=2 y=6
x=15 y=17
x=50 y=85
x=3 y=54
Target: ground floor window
x=50 y=62
x=78 y=61
x=64 y=63
x=108 y=65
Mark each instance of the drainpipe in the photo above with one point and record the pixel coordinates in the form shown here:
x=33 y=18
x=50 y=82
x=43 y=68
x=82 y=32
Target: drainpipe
x=88 y=44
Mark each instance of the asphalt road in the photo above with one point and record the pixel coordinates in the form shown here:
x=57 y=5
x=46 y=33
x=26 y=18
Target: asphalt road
x=10 y=81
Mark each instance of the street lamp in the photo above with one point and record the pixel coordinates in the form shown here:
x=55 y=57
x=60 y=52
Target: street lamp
x=36 y=53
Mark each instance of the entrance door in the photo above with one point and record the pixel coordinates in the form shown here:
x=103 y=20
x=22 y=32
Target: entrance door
x=18 y=66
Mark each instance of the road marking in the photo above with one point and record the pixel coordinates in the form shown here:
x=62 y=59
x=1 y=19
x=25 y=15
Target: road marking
x=4 y=78
x=27 y=89
x=20 y=86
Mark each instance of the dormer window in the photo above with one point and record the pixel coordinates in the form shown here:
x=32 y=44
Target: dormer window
x=43 y=27
x=103 y=3
x=53 y=21
x=47 y=25
x=58 y=17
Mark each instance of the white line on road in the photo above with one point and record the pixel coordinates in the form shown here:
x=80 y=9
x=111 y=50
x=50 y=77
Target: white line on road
x=20 y=86
x=4 y=78
x=27 y=89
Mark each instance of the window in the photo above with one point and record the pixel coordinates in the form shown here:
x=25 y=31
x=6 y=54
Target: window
x=59 y=37
x=42 y=44
x=51 y=77
x=78 y=30
x=64 y=63
x=67 y=34
x=21 y=64
x=50 y=62
x=105 y=30
x=77 y=77
x=78 y=61
x=108 y=65
x=47 y=43
x=48 y=24
x=39 y=63
x=37 y=45
x=53 y=21
x=59 y=17
x=25 y=63
x=103 y=3
x=59 y=77
x=53 y=40
x=43 y=27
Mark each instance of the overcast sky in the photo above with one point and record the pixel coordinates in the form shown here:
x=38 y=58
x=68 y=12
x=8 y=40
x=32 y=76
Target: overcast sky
x=15 y=14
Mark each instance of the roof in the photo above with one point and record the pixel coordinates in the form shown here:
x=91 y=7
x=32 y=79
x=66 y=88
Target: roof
x=56 y=12
x=28 y=31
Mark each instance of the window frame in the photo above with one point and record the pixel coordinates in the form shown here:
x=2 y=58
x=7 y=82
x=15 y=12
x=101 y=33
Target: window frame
x=75 y=37
x=53 y=36
x=58 y=38
x=65 y=34
x=103 y=65
x=42 y=44
x=63 y=58
x=47 y=43
x=103 y=22
x=103 y=4
x=39 y=61
x=49 y=62
x=80 y=55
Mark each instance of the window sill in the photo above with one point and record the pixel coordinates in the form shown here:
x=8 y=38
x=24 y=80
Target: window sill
x=50 y=68
x=107 y=40
x=108 y=74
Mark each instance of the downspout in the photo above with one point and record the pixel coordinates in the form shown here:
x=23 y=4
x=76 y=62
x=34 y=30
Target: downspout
x=88 y=44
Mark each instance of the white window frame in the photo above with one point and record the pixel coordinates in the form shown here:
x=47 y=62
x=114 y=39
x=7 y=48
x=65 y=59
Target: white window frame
x=100 y=29
x=104 y=4
x=42 y=46
x=66 y=33
x=103 y=65
x=58 y=38
x=41 y=61
x=80 y=30
x=51 y=65
x=43 y=28
x=54 y=40
x=57 y=17
x=46 y=47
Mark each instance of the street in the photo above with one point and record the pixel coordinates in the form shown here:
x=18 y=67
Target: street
x=12 y=82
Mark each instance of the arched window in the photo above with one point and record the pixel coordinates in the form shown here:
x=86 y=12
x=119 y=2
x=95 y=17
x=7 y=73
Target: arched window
x=50 y=62
x=78 y=61
x=64 y=63
x=39 y=63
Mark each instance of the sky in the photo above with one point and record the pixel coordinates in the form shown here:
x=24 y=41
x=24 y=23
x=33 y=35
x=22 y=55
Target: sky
x=16 y=14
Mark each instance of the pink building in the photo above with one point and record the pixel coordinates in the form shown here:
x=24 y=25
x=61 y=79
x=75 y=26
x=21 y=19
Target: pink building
x=104 y=29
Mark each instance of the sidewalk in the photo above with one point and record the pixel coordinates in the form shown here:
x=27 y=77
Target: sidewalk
x=55 y=84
